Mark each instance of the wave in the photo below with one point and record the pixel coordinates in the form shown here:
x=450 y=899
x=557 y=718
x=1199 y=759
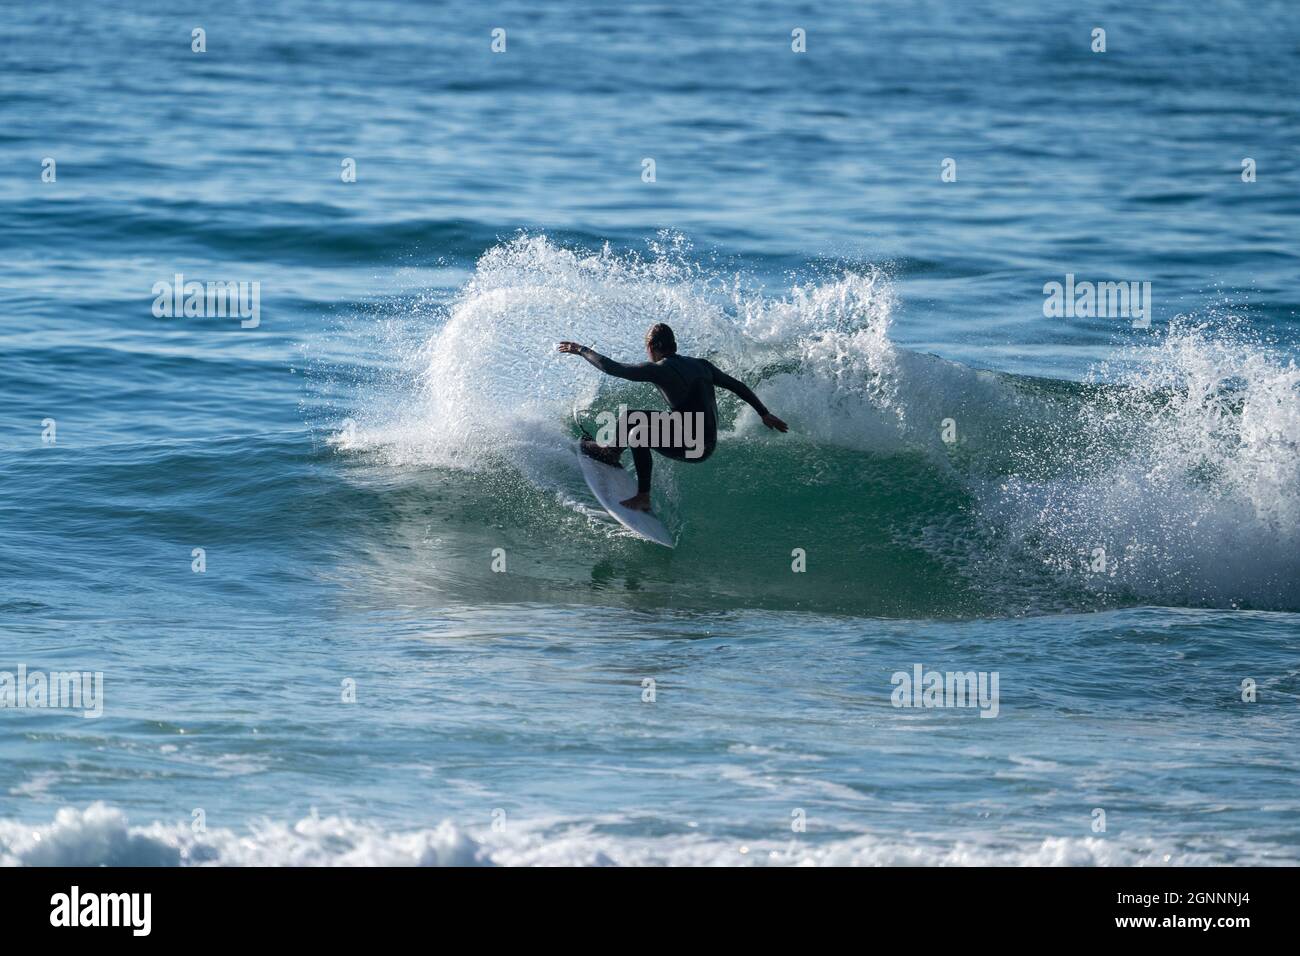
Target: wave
x=915 y=485
x=101 y=835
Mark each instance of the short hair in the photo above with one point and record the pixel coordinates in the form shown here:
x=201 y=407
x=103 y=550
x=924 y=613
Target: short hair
x=661 y=339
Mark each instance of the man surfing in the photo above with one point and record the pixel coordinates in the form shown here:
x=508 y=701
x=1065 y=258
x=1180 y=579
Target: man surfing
x=687 y=384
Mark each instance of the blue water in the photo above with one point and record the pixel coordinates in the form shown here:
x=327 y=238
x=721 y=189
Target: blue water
x=397 y=423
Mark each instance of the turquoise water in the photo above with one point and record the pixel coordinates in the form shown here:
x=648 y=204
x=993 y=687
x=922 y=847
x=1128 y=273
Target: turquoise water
x=1106 y=517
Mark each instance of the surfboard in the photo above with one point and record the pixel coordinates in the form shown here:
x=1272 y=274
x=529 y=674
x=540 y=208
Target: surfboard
x=611 y=485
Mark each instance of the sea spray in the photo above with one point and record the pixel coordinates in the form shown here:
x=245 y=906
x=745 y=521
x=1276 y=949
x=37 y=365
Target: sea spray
x=1180 y=480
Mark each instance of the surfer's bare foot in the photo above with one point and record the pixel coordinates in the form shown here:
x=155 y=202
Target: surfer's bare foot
x=639 y=502
x=606 y=456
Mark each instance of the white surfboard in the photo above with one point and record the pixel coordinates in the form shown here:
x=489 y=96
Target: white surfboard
x=611 y=485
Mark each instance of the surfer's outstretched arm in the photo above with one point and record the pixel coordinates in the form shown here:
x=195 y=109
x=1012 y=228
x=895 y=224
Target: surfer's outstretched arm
x=642 y=372
x=737 y=387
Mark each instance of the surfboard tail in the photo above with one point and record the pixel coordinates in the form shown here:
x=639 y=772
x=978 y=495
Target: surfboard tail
x=613 y=485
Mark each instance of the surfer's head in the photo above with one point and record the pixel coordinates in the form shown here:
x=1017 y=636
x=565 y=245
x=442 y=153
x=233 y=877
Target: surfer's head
x=660 y=342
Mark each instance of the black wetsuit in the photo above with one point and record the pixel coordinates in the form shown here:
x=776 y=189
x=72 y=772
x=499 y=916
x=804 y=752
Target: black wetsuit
x=687 y=385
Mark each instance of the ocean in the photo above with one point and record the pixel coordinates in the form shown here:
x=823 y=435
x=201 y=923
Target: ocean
x=324 y=560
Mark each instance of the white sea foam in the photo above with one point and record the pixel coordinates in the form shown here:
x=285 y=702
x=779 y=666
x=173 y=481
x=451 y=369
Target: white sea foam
x=101 y=835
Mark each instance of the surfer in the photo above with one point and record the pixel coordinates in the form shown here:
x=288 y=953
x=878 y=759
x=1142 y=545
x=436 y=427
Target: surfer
x=687 y=384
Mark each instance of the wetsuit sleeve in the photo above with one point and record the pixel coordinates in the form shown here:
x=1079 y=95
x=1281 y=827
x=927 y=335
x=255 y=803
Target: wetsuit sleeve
x=723 y=380
x=642 y=372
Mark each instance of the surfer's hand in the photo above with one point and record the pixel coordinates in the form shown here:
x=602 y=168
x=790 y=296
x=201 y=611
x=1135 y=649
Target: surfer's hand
x=771 y=421
x=572 y=348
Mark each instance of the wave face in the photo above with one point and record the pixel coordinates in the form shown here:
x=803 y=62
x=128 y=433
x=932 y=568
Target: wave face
x=915 y=486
